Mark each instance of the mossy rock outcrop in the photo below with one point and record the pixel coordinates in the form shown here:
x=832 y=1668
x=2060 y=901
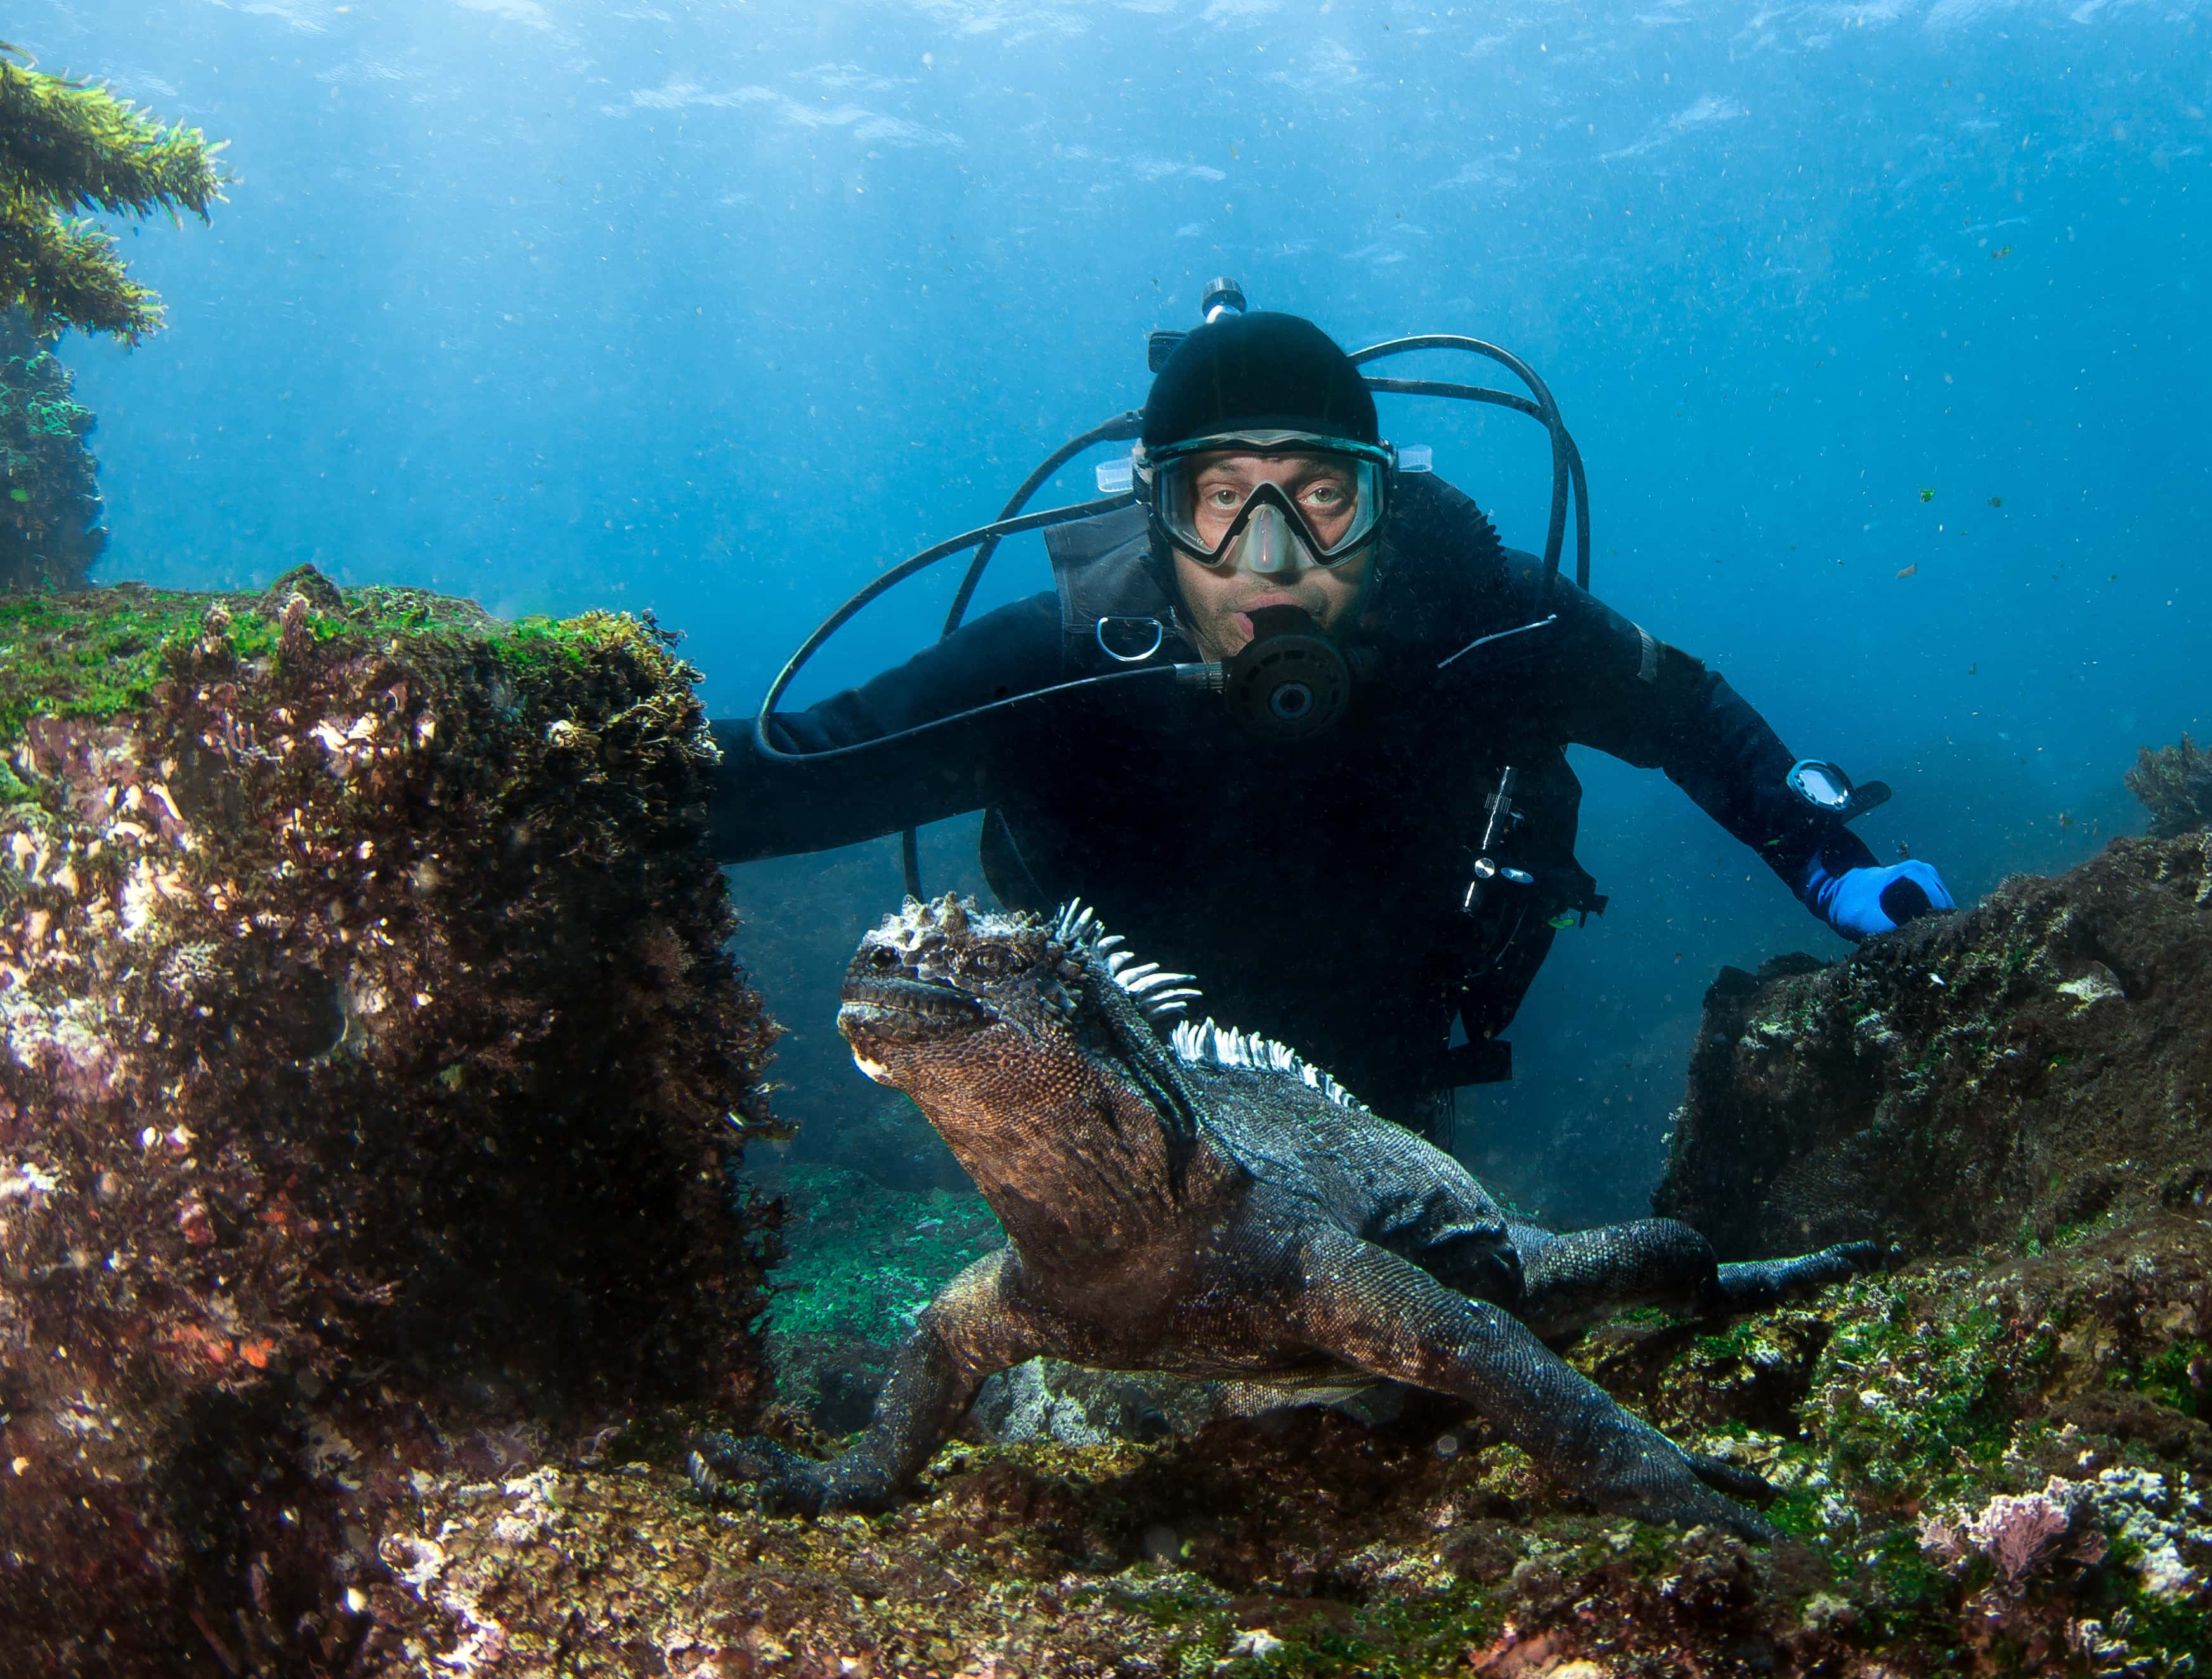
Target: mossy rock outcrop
x=2022 y=1072
x=373 y=1073
x=49 y=516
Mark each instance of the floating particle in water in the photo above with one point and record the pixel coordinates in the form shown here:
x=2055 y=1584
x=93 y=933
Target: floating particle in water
x=2001 y=251
x=1996 y=501
x=1974 y=666
x=19 y=494
x=1909 y=570
x=1927 y=495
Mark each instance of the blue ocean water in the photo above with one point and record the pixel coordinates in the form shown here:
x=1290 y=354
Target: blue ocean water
x=1882 y=329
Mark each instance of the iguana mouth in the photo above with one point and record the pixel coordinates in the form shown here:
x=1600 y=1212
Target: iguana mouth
x=883 y=1006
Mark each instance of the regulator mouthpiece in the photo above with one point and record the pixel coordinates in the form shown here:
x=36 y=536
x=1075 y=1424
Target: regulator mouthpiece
x=1289 y=683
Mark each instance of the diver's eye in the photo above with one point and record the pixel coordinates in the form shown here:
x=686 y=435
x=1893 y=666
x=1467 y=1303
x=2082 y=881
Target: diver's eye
x=1326 y=495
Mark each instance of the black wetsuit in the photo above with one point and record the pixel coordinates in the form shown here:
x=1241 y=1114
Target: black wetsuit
x=1315 y=888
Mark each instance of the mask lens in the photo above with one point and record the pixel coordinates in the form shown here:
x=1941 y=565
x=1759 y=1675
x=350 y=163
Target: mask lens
x=1216 y=503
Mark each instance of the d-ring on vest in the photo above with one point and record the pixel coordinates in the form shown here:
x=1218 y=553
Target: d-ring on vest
x=1114 y=615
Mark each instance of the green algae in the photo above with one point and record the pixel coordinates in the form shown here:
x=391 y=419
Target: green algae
x=1909 y=1401
x=862 y=1260
x=1389 y=1637
x=94 y=656
x=1738 y=1340
x=103 y=653
x=2173 y=1375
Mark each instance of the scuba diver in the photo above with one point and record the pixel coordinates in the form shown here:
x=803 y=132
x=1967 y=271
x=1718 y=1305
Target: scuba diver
x=1293 y=720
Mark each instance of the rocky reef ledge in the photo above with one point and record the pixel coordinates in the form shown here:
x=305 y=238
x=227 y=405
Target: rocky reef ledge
x=371 y=1066
x=374 y=1070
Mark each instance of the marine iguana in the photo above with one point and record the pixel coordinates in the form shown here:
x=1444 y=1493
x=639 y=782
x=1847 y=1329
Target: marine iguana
x=1206 y=1204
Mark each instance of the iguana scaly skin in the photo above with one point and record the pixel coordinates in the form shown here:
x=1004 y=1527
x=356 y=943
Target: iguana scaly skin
x=1208 y=1205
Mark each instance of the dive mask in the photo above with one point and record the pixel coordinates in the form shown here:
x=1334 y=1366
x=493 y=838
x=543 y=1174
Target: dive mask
x=1330 y=506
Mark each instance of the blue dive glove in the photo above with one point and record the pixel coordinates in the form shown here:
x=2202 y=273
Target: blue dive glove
x=1859 y=903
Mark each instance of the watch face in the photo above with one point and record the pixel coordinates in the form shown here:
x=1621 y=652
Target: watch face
x=1820 y=784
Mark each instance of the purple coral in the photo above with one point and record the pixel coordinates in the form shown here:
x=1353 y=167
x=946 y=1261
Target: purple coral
x=2017 y=1531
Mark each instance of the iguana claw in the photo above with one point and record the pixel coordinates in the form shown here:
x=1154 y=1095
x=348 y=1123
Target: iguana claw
x=722 y=1467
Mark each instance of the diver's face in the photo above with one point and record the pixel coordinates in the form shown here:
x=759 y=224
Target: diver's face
x=1218 y=600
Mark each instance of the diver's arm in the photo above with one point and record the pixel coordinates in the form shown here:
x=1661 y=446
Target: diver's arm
x=1652 y=704
x=766 y=804
x=1627 y=693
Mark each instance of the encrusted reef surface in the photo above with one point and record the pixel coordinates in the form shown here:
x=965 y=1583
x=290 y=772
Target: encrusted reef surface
x=373 y=1069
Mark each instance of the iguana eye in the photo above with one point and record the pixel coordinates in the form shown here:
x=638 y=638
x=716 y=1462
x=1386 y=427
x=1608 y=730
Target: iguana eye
x=987 y=963
x=882 y=956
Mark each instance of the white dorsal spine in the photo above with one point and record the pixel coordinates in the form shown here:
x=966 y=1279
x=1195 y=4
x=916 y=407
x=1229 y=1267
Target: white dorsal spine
x=1226 y=1046
x=1161 y=995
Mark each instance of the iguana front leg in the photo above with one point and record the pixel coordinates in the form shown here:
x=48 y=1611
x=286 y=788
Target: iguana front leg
x=1356 y=1303
x=970 y=1330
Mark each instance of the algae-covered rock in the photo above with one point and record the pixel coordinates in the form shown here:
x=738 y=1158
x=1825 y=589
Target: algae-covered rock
x=50 y=528
x=2010 y=1074
x=372 y=1072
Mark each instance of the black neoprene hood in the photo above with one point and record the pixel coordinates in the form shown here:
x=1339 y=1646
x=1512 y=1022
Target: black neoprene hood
x=1258 y=372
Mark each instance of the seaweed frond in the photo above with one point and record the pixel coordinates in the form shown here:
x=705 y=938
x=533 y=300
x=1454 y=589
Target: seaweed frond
x=67 y=146
x=2175 y=785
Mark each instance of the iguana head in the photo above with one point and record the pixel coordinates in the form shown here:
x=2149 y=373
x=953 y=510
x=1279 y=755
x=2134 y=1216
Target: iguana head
x=1000 y=1026
x=937 y=974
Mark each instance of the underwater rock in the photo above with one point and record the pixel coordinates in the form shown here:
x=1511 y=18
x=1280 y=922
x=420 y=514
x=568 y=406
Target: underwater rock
x=372 y=1070
x=2033 y=1067
x=1045 y=1399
